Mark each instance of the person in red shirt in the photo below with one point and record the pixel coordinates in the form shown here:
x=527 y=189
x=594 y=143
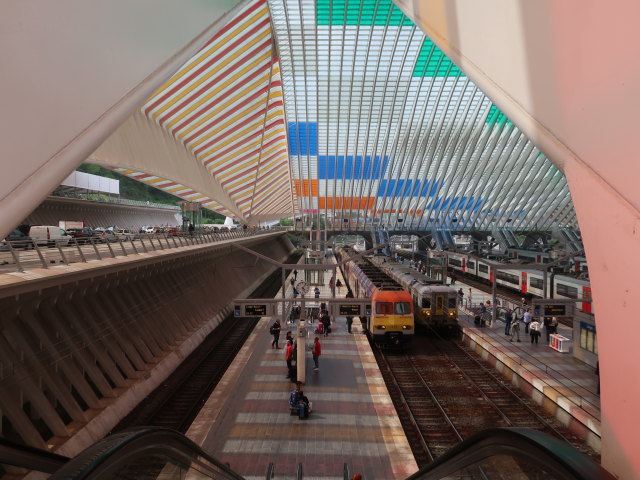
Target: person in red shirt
x=288 y=355
x=316 y=351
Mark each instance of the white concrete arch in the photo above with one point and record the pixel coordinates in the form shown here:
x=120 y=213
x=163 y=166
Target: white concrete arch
x=567 y=74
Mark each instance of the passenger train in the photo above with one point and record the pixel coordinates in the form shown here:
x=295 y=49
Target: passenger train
x=576 y=265
x=391 y=323
x=522 y=280
x=435 y=305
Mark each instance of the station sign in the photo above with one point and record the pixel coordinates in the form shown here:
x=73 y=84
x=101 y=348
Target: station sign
x=562 y=308
x=555 y=310
x=350 y=307
x=350 y=310
x=254 y=310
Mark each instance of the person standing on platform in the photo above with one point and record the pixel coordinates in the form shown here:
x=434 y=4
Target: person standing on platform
x=349 y=323
x=295 y=275
x=526 y=318
x=316 y=351
x=275 y=331
x=534 y=330
x=553 y=328
x=316 y=292
x=508 y=319
x=338 y=285
x=326 y=322
x=515 y=330
x=288 y=356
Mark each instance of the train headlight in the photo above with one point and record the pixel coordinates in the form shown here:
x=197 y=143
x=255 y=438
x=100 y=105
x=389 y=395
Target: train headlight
x=381 y=327
x=407 y=327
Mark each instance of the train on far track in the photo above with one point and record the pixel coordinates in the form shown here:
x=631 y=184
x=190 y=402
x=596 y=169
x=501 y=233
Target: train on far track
x=523 y=280
x=391 y=323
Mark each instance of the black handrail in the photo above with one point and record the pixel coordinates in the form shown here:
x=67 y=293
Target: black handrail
x=536 y=448
x=23 y=456
x=138 y=447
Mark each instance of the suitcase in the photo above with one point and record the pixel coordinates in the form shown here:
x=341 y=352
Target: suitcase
x=320 y=328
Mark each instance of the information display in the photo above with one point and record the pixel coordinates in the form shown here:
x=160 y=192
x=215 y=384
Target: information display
x=255 y=310
x=551 y=310
x=349 y=310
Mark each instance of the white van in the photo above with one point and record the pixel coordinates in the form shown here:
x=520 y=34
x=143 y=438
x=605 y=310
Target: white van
x=49 y=235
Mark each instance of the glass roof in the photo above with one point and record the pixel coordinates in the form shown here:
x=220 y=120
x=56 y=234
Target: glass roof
x=382 y=124
x=345 y=110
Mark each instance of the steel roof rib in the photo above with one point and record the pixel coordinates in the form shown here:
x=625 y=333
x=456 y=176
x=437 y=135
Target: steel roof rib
x=463 y=154
x=395 y=203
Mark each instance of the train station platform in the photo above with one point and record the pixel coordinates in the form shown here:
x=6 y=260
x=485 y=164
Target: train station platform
x=563 y=385
x=247 y=421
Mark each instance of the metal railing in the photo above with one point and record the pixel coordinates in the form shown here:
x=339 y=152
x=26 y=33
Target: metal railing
x=21 y=255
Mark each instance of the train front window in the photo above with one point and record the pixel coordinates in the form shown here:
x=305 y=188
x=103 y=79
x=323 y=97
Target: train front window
x=452 y=303
x=384 y=308
x=426 y=302
x=403 y=308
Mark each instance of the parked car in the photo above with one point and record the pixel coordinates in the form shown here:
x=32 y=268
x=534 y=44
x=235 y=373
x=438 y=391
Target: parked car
x=18 y=239
x=49 y=235
x=124 y=234
x=105 y=235
x=82 y=235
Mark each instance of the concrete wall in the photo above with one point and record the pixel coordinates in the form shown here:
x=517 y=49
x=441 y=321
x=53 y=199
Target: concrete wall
x=97 y=214
x=78 y=352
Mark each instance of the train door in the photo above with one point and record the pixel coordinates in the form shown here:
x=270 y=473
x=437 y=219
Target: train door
x=539 y=258
x=523 y=285
x=491 y=274
x=586 y=293
x=440 y=303
x=576 y=266
x=464 y=265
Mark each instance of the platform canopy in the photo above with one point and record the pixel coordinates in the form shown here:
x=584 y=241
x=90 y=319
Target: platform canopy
x=342 y=109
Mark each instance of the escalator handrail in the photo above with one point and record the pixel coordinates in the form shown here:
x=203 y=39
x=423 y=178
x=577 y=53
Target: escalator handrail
x=535 y=447
x=32 y=458
x=118 y=449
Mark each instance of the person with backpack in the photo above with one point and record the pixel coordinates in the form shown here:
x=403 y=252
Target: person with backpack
x=275 y=331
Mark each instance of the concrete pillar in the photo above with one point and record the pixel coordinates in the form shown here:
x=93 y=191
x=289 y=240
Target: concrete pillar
x=64 y=362
x=79 y=352
x=301 y=341
x=28 y=385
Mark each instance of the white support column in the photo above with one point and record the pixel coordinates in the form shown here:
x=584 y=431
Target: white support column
x=302 y=344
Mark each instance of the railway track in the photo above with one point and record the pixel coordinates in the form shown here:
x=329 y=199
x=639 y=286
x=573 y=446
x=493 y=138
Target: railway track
x=444 y=394
x=176 y=403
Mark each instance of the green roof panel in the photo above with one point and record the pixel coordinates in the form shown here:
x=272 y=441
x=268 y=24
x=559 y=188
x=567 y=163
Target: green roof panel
x=432 y=62
x=359 y=12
